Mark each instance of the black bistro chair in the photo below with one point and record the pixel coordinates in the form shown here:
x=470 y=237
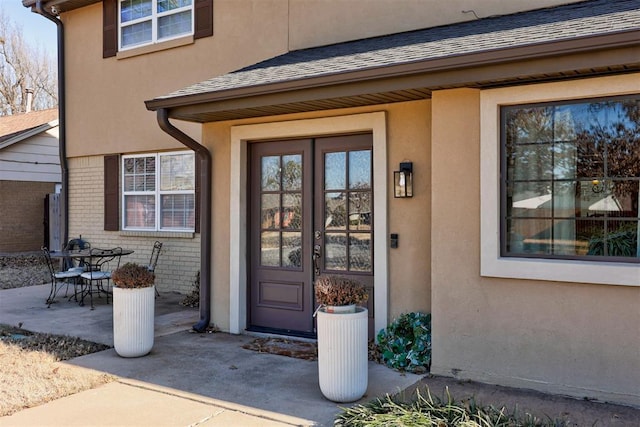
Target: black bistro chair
x=98 y=268
x=59 y=278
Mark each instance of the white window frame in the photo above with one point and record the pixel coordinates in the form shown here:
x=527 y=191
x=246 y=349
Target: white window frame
x=154 y=17
x=157 y=193
x=491 y=263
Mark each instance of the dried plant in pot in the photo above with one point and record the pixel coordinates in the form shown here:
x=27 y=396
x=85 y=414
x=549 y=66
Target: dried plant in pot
x=339 y=294
x=342 y=330
x=133 y=310
x=132 y=275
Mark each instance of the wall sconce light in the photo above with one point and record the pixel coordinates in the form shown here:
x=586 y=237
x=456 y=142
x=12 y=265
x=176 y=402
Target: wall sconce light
x=403 y=180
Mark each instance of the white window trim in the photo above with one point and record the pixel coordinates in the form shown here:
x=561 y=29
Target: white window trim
x=240 y=135
x=491 y=263
x=154 y=25
x=157 y=194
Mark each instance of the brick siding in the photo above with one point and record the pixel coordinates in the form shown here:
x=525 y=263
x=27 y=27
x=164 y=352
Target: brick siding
x=22 y=215
x=179 y=259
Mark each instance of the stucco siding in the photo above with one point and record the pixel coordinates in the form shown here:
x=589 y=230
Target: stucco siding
x=568 y=338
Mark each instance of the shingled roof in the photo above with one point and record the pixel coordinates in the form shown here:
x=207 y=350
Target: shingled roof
x=588 y=25
x=15 y=126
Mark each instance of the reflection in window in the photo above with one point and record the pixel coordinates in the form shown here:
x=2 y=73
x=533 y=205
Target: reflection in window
x=571 y=180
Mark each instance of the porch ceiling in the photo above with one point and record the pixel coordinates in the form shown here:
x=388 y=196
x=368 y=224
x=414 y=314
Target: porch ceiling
x=60 y=5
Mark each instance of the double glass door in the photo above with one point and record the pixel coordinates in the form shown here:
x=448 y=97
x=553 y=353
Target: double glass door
x=311 y=213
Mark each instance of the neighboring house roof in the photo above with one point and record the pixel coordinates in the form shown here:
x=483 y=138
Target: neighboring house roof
x=564 y=30
x=18 y=127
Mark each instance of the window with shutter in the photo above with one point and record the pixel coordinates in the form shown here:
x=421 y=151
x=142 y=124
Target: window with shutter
x=133 y=23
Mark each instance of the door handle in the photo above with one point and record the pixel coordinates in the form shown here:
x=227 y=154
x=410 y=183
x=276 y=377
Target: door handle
x=317 y=253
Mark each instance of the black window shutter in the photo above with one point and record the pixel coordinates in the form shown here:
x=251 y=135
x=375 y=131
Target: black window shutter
x=197 y=194
x=111 y=193
x=109 y=28
x=203 y=11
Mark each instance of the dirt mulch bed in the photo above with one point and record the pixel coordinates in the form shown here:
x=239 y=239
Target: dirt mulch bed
x=284 y=347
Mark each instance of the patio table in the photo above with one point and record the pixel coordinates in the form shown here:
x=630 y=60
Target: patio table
x=91 y=262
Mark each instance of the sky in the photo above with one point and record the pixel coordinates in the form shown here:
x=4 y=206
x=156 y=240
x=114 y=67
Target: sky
x=37 y=30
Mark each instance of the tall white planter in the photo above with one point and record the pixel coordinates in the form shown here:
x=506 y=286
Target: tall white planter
x=343 y=354
x=133 y=320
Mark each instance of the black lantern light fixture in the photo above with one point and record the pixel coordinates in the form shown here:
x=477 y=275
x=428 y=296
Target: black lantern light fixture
x=403 y=181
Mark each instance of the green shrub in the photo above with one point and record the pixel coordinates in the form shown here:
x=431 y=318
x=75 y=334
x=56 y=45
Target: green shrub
x=406 y=344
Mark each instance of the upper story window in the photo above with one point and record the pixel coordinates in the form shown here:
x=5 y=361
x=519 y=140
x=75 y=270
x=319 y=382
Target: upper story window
x=571 y=180
x=158 y=191
x=144 y=22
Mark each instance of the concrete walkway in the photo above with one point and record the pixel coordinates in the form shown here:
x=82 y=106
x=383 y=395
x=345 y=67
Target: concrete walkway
x=187 y=379
x=208 y=379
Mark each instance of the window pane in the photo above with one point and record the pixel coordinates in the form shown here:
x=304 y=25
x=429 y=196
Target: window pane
x=615 y=239
x=529 y=236
x=177 y=172
x=360 y=252
x=270 y=173
x=135 y=34
x=292 y=172
x=335 y=169
x=529 y=125
x=292 y=250
x=531 y=162
x=134 y=9
x=166 y=5
x=335 y=211
x=139 y=174
x=335 y=251
x=270 y=248
x=140 y=211
x=270 y=211
x=360 y=210
x=529 y=199
x=177 y=211
x=174 y=25
x=292 y=211
x=360 y=169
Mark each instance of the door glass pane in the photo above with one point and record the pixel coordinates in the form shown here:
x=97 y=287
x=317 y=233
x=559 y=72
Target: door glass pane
x=360 y=210
x=270 y=175
x=270 y=211
x=360 y=169
x=360 y=252
x=335 y=171
x=335 y=211
x=291 y=211
x=292 y=249
x=270 y=248
x=292 y=175
x=335 y=251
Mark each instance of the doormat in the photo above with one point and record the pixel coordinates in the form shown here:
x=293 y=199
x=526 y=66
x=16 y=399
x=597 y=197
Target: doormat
x=284 y=347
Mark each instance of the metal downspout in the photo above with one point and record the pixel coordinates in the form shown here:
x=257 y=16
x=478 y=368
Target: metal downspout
x=204 y=157
x=62 y=120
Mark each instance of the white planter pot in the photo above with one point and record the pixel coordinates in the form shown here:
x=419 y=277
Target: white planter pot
x=133 y=321
x=343 y=354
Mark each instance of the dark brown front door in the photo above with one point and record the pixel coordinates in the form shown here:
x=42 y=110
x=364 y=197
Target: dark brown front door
x=310 y=214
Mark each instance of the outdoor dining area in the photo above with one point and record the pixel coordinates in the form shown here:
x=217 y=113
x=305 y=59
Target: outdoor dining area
x=87 y=270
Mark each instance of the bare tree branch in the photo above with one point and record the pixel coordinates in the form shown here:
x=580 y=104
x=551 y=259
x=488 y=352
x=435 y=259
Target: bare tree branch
x=23 y=67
